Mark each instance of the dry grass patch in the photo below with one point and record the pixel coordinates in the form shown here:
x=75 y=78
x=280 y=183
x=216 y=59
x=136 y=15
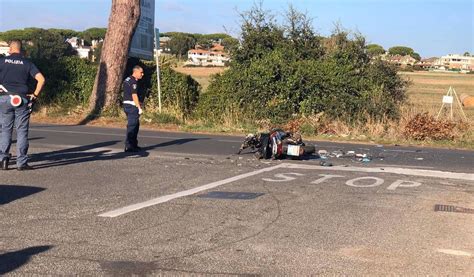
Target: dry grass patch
x=427 y=89
x=201 y=74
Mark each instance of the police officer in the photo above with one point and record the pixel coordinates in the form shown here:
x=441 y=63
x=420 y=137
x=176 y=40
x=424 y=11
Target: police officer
x=14 y=98
x=133 y=109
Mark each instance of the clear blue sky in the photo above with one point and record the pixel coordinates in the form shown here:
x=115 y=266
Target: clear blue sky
x=430 y=27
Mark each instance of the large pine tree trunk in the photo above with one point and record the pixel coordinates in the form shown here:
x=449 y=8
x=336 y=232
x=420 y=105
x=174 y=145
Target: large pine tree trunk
x=123 y=20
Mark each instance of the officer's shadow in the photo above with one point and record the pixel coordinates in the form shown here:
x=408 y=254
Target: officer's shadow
x=10 y=193
x=86 y=153
x=11 y=261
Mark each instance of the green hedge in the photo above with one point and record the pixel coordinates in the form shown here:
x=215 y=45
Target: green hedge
x=285 y=70
x=179 y=92
x=277 y=87
x=69 y=81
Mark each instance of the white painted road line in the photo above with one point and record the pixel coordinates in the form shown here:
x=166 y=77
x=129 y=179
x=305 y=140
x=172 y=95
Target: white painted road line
x=170 y=197
x=455 y=252
x=393 y=170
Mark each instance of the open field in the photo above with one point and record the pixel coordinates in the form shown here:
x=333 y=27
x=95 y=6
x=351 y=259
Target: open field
x=201 y=74
x=427 y=89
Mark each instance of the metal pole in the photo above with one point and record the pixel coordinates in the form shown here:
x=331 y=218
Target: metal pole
x=157 y=47
x=451 y=94
x=158 y=81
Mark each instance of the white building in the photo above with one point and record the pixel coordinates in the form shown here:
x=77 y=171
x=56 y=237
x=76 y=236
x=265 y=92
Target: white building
x=4 y=48
x=213 y=57
x=455 y=61
x=164 y=41
x=75 y=42
x=84 y=52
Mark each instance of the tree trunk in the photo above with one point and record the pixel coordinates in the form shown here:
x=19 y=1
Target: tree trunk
x=123 y=20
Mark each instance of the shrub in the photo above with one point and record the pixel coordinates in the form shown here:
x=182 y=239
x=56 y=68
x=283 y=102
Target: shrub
x=69 y=81
x=283 y=71
x=424 y=126
x=179 y=92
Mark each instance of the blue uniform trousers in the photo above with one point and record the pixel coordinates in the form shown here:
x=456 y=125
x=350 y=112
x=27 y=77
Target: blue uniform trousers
x=20 y=116
x=133 y=125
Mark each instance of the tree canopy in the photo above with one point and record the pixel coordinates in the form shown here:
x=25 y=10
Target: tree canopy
x=181 y=42
x=400 y=50
x=375 y=50
x=41 y=43
x=48 y=45
x=21 y=34
x=28 y=34
x=92 y=34
x=283 y=70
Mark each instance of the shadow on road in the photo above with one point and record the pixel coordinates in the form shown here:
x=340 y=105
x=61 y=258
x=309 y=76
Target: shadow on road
x=173 y=142
x=10 y=193
x=29 y=139
x=11 y=261
x=86 y=153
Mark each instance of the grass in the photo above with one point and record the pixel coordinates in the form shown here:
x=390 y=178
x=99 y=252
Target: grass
x=427 y=90
x=201 y=74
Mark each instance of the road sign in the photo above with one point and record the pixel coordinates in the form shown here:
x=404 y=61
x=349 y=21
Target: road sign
x=448 y=100
x=157 y=60
x=143 y=39
x=157 y=39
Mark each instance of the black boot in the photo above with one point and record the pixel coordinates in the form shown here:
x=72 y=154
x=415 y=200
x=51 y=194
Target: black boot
x=5 y=162
x=25 y=167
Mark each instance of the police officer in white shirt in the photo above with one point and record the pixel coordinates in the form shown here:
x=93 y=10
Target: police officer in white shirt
x=133 y=109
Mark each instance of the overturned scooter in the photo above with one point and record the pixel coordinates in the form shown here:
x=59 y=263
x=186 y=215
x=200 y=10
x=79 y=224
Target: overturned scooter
x=277 y=144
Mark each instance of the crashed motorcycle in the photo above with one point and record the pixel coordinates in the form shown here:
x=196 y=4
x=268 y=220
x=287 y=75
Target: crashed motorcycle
x=277 y=144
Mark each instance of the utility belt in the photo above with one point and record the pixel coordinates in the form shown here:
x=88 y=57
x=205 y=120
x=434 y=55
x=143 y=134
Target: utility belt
x=15 y=99
x=129 y=102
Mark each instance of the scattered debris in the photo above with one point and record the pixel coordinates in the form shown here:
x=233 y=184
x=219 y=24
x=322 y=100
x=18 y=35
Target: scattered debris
x=322 y=152
x=324 y=155
x=325 y=163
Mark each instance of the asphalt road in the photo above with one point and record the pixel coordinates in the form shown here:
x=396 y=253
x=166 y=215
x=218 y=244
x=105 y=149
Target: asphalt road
x=188 y=205
x=87 y=138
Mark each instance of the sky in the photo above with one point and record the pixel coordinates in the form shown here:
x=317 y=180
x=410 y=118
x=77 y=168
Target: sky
x=430 y=27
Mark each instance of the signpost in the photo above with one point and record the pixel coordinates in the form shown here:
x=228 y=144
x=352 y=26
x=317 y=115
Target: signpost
x=145 y=36
x=157 y=54
x=142 y=41
x=448 y=99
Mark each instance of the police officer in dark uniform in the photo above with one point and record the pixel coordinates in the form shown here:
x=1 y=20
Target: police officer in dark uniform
x=133 y=109
x=14 y=98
